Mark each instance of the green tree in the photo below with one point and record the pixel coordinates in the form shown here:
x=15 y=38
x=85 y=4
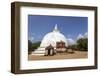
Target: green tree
x=29 y=45
x=32 y=46
x=82 y=44
x=74 y=47
x=35 y=45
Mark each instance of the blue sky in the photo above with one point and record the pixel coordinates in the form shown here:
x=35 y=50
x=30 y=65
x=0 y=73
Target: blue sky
x=70 y=26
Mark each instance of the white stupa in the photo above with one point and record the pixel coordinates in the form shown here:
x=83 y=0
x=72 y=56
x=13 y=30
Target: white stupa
x=50 y=38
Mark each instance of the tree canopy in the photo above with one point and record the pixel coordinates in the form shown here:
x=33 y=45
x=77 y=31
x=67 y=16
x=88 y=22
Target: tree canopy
x=81 y=45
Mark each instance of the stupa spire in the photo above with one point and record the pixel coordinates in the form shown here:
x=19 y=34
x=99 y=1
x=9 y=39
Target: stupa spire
x=56 y=28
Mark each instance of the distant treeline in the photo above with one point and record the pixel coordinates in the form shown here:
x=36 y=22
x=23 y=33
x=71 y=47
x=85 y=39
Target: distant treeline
x=33 y=46
x=81 y=45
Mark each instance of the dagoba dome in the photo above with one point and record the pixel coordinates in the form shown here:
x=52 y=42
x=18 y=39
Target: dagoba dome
x=53 y=37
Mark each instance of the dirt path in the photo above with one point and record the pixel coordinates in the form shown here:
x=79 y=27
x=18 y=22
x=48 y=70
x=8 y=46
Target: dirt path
x=75 y=55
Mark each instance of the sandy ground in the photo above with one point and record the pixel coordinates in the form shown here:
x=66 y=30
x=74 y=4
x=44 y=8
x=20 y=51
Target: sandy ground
x=75 y=55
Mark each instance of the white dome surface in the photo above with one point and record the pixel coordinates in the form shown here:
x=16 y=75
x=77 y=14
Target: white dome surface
x=52 y=38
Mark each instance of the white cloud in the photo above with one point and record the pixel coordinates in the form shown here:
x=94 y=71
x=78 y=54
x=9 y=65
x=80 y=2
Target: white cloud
x=31 y=39
x=85 y=35
x=70 y=41
x=80 y=36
